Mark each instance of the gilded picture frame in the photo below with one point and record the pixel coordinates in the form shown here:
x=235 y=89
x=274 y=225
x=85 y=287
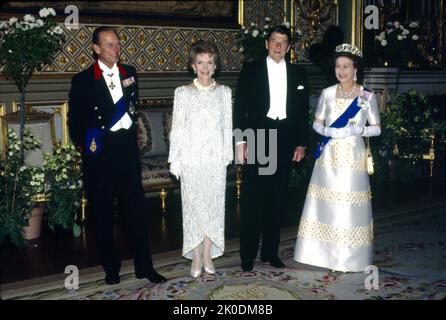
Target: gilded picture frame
x=180 y=13
x=57 y=107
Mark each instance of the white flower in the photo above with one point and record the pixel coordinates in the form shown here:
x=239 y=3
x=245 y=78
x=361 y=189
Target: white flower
x=51 y=11
x=246 y=31
x=384 y=43
x=252 y=24
x=243 y=27
x=396 y=24
x=3 y=25
x=12 y=21
x=255 y=33
x=39 y=22
x=267 y=19
x=413 y=24
x=405 y=31
x=29 y=18
x=241 y=49
x=10 y=51
x=286 y=24
x=400 y=37
x=57 y=30
x=415 y=37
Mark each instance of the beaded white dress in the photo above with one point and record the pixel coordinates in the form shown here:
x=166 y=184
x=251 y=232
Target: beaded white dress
x=336 y=226
x=201 y=148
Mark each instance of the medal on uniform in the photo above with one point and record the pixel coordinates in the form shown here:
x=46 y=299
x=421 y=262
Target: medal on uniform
x=93 y=146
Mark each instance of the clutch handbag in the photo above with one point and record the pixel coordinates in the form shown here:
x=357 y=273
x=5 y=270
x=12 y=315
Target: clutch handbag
x=368 y=158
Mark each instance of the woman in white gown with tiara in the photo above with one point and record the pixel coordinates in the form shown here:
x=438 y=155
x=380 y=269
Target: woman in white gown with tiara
x=336 y=226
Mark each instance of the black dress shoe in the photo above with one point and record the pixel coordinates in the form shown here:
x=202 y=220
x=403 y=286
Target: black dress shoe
x=153 y=276
x=247 y=265
x=276 y=263
x=112 y=278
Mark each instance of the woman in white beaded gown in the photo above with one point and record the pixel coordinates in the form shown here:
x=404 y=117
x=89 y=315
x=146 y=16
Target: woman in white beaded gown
x=336 y=226
x=200 y=150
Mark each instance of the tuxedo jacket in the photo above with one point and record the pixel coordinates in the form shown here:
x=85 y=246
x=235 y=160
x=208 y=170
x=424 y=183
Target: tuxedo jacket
x=252 y=101
x=90 y=102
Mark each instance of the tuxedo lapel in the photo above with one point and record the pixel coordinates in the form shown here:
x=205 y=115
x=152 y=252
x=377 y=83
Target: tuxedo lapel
x=265 y=85
x=290 y=87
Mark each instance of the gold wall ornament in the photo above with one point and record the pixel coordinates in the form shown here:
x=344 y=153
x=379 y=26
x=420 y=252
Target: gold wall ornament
x=163 y=196
x=312 y=18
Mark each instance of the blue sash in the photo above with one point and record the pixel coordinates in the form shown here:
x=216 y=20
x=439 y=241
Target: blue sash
x=340 y=122
x=119 y=113
x=93 y=140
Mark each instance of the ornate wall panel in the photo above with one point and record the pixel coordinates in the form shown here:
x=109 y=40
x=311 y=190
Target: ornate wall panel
x=313 y=18
x=148 y=49
x=256 y=10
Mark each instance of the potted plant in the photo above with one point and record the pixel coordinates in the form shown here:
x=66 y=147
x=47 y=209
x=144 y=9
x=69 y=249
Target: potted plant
x=20 y=186
x=64 y=191
x=26 y=46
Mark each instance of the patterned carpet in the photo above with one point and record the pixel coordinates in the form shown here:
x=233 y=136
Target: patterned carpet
x=410 y=256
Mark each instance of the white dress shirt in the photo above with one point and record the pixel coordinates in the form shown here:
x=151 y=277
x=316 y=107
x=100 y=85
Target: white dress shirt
x=113 y=81
x=277 y=79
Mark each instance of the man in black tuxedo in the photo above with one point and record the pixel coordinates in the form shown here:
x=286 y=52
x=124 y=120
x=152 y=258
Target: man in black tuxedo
x=102 y=122
x=271 y=95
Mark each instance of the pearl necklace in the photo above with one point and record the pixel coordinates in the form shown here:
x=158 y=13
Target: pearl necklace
x=344 y=95
x=201 y=87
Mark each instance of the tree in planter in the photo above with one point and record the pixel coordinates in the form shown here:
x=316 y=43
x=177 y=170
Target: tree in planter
x=19 y=185
x=26 y=46
x=64 y=187
x=407 y=124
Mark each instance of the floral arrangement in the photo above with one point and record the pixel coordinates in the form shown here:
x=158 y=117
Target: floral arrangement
x=63 y=196
x=251 y=39
x=20 y=186
x=27 y=45
x=397 y=44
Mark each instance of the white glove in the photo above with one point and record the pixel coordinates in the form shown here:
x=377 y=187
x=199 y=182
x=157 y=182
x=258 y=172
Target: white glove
x=175 y=169
x=336 y=133
x=371 y=131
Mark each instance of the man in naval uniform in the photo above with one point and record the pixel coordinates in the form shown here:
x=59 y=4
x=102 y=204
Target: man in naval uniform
x=102 y=123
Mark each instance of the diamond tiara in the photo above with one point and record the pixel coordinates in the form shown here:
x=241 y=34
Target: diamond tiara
x=345 y=47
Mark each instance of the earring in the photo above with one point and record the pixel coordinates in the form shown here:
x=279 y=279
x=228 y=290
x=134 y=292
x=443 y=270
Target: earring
x=195 y=71
x=355 y=78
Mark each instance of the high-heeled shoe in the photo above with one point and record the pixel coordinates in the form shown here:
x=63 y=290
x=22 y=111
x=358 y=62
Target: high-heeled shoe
x=209 y=267
x=195 y=271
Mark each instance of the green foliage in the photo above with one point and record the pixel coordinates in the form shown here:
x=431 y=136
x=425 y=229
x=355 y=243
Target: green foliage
x=64 y=178
x=408 y=123
x=20 y=185
x=28 y=44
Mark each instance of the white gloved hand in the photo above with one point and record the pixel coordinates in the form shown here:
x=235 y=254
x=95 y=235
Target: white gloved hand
x=371 y=131
x=175 y=169
x=337 y=133
x=354 y=130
